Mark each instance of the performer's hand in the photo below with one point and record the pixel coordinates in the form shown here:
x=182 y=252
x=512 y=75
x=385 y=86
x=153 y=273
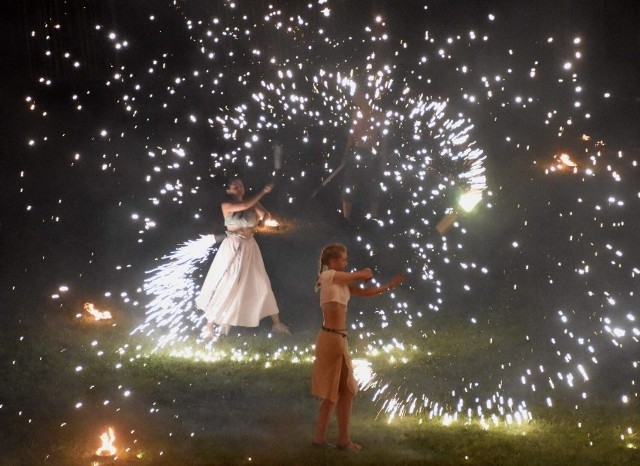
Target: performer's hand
x=267 y=188
x=368 y=274
x=396 y=280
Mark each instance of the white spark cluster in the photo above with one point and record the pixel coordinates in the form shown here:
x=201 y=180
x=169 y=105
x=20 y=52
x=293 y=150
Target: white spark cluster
x=213 y=101
x=173 y=289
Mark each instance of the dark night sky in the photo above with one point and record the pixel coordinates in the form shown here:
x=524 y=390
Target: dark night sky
x=613 y=55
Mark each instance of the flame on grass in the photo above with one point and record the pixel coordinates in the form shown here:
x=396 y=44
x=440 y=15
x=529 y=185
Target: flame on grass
x=107 y=448
x=562 y=162
x=565 y=159
x=97 y=315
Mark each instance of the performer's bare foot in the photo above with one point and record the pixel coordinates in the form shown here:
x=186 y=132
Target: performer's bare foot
x=279 y=327
x=208 y=331
x=350 y=447
x=323 y=444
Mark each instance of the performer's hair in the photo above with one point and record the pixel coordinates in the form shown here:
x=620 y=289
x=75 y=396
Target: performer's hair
x=329 y=252
x=230 y=181
x=240 y=213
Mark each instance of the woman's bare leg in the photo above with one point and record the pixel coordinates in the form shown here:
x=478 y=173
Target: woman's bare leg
x=343 y=411
x=208 y=330
x=324 y=414
x=279 y=326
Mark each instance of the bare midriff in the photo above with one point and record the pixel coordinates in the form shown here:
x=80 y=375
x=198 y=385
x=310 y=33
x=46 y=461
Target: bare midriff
x=334 y=315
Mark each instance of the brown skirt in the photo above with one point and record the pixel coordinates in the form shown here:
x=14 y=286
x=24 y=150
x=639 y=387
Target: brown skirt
x=332 y=353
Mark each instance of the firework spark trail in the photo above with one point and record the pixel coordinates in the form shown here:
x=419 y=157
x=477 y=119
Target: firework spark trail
x=312 y=108
x=597 y=325
x=264 y=72
x=422 y=132
x=171 y=316
x=284 y=101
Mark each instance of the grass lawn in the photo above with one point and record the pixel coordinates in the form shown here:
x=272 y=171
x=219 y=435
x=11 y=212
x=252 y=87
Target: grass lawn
x=67 y=379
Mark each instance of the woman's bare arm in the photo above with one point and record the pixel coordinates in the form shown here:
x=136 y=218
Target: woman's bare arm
x=376 y=290
x=237 y=206
x=263 y=214
x=346 y=278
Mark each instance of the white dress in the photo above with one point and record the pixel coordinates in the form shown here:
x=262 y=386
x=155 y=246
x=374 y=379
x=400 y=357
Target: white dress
x=237 y=290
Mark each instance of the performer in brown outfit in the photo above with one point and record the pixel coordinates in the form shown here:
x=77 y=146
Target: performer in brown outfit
x=333 y=379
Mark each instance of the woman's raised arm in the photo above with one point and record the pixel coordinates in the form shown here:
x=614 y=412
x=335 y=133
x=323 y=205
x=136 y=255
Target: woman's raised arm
x=229 y=207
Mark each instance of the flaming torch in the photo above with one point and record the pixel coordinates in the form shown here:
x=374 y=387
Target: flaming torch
x=466 y=202
x=107 y=448
x=272 y=226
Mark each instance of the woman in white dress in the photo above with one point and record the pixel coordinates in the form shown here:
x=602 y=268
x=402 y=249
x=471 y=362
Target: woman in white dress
x=237 y=290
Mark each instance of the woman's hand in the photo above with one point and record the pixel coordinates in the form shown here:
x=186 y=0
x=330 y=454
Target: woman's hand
x=396 y=280
x=367 y=274
x=267 y=188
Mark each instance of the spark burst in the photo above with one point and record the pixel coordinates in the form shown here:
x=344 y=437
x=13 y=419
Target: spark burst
x=171 y=314
x=268 y=72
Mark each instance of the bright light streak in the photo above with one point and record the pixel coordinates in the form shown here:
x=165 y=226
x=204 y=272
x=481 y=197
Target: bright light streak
x=469 y=200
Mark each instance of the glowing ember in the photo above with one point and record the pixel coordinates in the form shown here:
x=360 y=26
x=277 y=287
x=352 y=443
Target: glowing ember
x=272 y=226
x=561 y=162
x=107 y=448
x=97 y=315
x=564 y=158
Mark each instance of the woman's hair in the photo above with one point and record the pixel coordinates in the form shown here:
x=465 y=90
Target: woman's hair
x=332 y=251
x=240 y=213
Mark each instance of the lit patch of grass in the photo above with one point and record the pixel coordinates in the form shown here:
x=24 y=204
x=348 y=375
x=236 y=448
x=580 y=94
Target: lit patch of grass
x=168 y=410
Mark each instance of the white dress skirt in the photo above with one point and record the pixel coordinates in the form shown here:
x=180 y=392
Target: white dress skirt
x=237 y=290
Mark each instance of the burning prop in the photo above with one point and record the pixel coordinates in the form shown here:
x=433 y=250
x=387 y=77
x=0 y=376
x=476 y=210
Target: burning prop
x=272 y=226
x=107 y=448
x=446 y=222
x=466 y=203
x=566 y=160
x=97 y=315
